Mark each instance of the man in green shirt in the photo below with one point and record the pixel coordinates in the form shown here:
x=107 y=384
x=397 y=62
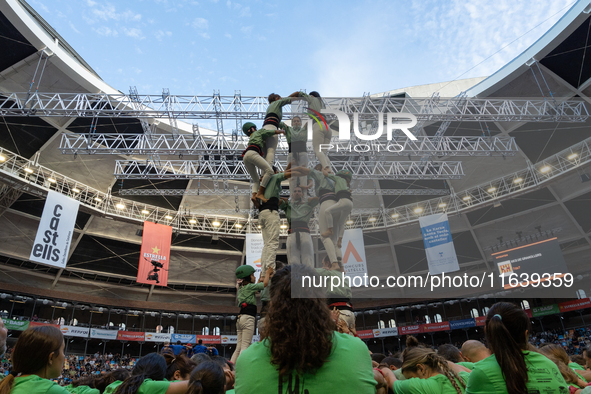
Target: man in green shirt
x=473 y=351
x=321 y=135
x=297 y=140
x=300 y=249
x=252 y=157
x=273 y=119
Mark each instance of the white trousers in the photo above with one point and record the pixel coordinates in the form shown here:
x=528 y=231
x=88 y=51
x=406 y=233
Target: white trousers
x=302 y=253
x=252 y=160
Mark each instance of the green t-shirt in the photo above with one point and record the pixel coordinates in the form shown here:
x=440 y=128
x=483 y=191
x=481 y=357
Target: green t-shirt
x=466 y=364
x=347 y=370
x=399 y=375
x=342 y=291
x=297 y=134
x=34 y=384
x=247 y=293
x=574 y=366
x=148 y=387
x=82 y=390
x=543 y=376
x=302 y=211
x=258 y=137
x=276 y=107
x=340 y=184
x=274 y=186
x=438 y=384
x=314 y=103
x=586 y=390
x=320 y=181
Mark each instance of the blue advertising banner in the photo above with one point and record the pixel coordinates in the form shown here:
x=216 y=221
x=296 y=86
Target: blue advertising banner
x=456 y=324
x=184 y=338
x=439 y=246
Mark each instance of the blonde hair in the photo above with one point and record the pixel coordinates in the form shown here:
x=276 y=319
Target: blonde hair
x=428 y=357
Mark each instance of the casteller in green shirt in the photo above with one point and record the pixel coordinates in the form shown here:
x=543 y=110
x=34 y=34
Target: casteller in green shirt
x=149 y=386
x=273 y=188
x=82 y=390
x=466 y=364
x=33 y=384
x=543 y=376
x=247 y=293
x=347 y=370
x=438 y=384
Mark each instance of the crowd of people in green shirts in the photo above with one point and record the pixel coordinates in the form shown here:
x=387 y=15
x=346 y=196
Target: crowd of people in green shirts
x=303 y=351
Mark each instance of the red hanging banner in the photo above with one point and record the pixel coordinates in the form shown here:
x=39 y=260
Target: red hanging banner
x=155 y=254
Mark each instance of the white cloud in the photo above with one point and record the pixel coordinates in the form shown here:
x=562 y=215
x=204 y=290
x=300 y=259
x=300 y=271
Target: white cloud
x=90 y=3
x=228 y=35
x=134 y=33
x=73 y=27
x=106 y=31
x=200 y=24
x=108 y=11
x=138 y=50
x=162 y=34
x=246 y=29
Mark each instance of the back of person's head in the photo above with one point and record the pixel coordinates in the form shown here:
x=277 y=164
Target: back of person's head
x=177 y=367
x=207 y=378
x=569 y=376
x=450 y=353
x=506 y=328
x=474 y=351
x=411 y=343
x=315 y=94
x=378 y=357
x=32 y=353
x=102 y=381
x=579 y=359
x=308 y=318
x=273 y=97
x=198 y=358
x=555 y=350
x=428 y=358
x=392 y=362
x=178 y=342
x=200 y=341
x=279 y=265
x=151 y=366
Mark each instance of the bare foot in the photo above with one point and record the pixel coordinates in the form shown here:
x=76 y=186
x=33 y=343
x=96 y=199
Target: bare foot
x=327 y=233
x=340 y=243
x=261 y=197
x=254 y=198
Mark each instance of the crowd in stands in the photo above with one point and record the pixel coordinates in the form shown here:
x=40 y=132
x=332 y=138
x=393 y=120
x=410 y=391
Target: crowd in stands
x=303 y=349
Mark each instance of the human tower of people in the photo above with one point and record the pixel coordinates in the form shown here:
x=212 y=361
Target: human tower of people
x=308 y=345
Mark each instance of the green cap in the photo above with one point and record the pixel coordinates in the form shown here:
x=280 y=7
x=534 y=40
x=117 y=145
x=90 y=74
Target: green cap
x=244 y=271
x=246 y=126
x=344 y=174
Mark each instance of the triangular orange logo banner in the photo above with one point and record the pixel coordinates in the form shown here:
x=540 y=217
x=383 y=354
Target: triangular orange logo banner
x=351 y=250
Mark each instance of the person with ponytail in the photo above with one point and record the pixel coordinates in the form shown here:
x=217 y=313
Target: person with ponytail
x=299 y=351
x=558 y=356
x=207 y=378
x=147 y=377
x=512 y=369
x=37 y=357
x=427 y=372
x=179 y=367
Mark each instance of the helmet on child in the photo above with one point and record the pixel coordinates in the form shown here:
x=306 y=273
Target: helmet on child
x=247 y=126
x=244 y=271
x=345 y=174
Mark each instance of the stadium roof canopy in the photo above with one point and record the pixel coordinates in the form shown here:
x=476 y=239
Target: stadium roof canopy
x=105 y=247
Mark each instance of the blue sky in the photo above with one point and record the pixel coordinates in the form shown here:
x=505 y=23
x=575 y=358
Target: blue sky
x=340 y=48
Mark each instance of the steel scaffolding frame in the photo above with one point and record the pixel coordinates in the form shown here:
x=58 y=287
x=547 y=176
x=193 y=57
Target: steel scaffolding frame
x=254 y=107
x=285 y=192
x=236 y=170
x=30 y=177
x=167 y=144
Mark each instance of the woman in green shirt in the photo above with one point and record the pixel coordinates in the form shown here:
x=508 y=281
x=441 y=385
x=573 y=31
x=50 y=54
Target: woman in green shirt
x=427 y=372
x=207 y=378
x=511 y=368
x=99 y=382
x=37 y=357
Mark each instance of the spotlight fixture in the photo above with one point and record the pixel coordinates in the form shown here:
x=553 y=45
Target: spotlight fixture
x=418 y=210
x=518 y=180
x=120 y=206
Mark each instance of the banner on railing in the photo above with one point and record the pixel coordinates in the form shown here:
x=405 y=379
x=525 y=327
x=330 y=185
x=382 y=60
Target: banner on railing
x=184 y=338
x=210 y=339
x=103 y=334
x=465 y=323
x=18 y=325
x=73 y=331
x=130 y=336
x=434 y=327
x=157 y=337
x=229 y=339
x=385 y=332
x=155 y=254
x=55 y=231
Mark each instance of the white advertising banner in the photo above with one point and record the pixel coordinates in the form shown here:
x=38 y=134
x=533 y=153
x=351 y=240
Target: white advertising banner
x=157 y=337
x=56 y=228
x=254 y=250
x=103 y=334
x=229 y=339
x=385 y=332
x=353 y=249
x=439 y=246
x=73 y=331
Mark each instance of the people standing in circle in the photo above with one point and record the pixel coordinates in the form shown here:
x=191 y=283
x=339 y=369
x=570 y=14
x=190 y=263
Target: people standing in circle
x=300 y=249
x=248 y=305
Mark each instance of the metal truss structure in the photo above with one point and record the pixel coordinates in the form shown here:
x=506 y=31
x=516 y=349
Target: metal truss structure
x=166 y=144
x=236 y=170
x=216 y=191
x=91 y=105
x=27 y=176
